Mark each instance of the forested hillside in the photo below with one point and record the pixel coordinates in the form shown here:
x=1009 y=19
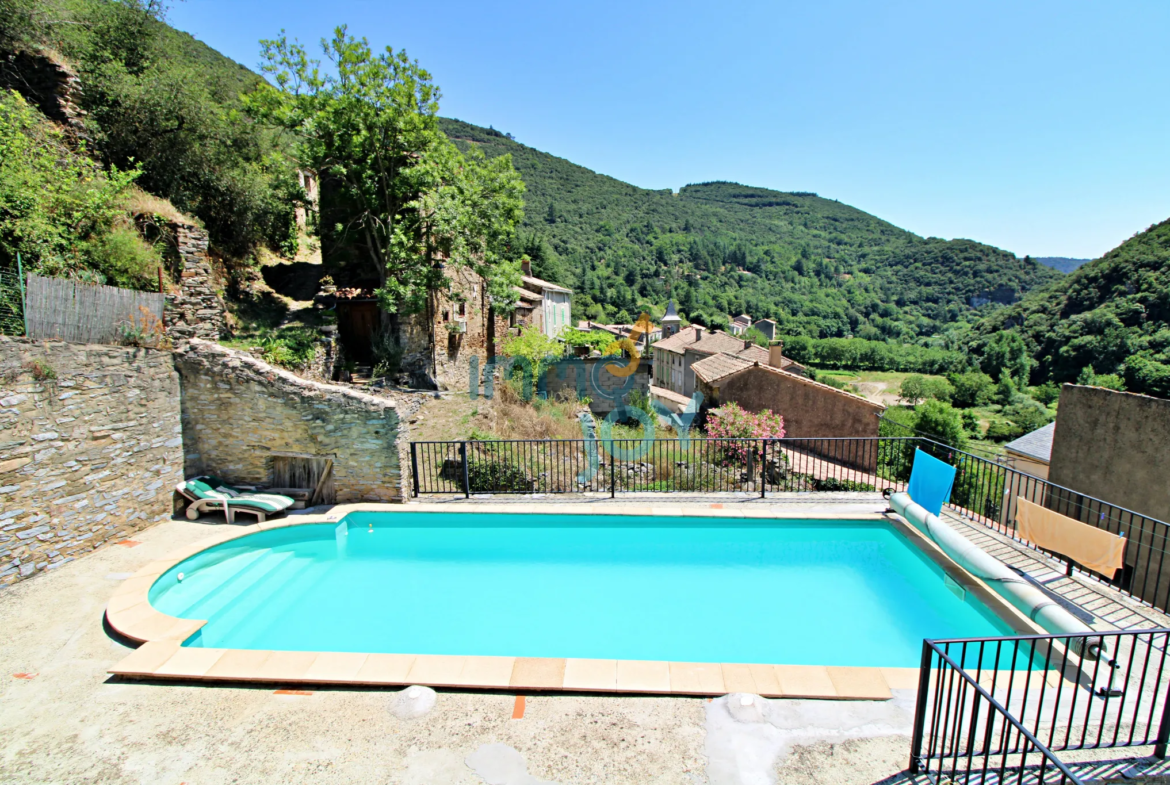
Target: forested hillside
x=1112 y=314
x=816 y=266
x=165 y=110
x=157 y=108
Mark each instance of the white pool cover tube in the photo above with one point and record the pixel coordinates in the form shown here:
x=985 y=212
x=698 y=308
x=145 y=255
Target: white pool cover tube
x=1027 y=598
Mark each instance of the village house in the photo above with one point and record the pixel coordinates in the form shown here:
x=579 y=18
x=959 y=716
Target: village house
x=675 y=355
x=810 y=409
x=740 y=324
x=1032 y=452
x=548 y=306
x=437 y=344
x=625 y=331
x=768 y=328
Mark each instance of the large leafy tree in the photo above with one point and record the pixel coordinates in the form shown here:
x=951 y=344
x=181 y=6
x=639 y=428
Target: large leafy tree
x=396 y=192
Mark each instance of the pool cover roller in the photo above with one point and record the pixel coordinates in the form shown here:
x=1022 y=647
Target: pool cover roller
x=1024 y=596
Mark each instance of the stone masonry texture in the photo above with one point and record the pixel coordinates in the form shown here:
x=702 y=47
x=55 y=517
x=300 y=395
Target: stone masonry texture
x=239 y=412
x=90 y=449
x=195 y=310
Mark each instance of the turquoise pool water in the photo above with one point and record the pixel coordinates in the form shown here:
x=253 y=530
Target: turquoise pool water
x=606 y=587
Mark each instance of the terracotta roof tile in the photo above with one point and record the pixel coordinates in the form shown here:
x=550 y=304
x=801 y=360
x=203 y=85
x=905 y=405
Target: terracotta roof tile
x=717 y=366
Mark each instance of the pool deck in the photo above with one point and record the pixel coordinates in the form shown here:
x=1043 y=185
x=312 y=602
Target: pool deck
x=161 y=655
x=63 y=718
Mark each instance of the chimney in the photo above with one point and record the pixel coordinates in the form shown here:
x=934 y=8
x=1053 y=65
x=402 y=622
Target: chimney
x=747 y=344
x=698 y=333
x=776 y=354
x=526 y=267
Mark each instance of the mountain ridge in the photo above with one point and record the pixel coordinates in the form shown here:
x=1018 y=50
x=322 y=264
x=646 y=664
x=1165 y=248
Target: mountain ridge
x=817 y=266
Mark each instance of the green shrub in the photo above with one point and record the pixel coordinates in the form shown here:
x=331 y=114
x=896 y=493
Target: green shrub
x=291 y=347
x=1003 y=431
x=58 y=207
x=126 y=259
x=1028 y=415
x=940 y=421
x=973 y=388
x=497 y=476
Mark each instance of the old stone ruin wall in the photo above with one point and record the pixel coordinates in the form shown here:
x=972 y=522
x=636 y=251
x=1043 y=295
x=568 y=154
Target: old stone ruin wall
x=240 y=413
x=194 y=309
x=90 y=449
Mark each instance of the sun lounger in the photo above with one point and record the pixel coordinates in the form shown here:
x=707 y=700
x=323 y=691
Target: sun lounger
x=210 y=494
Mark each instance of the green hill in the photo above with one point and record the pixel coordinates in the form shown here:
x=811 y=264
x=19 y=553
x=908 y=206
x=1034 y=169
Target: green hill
x=161 y=101
x=816 y=266
x=1112 y=313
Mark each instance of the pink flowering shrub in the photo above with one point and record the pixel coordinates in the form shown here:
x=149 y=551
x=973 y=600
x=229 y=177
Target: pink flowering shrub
x=730 y=421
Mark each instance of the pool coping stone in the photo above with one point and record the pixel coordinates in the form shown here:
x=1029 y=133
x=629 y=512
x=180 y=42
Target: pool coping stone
x=162 y=656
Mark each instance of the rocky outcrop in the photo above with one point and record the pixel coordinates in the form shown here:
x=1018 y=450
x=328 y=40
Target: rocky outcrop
x=48 y=84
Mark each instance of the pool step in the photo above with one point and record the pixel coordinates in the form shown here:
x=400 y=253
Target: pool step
x=293 y=589
x=236 y=580
x=255 y=609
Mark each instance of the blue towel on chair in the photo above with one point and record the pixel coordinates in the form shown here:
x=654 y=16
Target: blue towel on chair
x=930 y=482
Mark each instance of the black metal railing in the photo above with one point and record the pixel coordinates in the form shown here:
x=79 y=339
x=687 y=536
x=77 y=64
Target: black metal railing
x=991 y=709
x=670 y=465
x=984 y=491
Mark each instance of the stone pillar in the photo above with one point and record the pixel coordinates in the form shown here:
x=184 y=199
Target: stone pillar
x=195 y=310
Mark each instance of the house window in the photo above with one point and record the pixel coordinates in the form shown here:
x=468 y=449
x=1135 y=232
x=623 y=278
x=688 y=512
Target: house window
x=446 y=316
x=463 y=309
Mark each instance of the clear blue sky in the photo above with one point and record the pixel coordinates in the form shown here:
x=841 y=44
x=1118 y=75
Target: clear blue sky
x=1041 y=127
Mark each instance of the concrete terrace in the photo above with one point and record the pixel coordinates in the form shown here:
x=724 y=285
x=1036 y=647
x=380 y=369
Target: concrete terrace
x=64 y=719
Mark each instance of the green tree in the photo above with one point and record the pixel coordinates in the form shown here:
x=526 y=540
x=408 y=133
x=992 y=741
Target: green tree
x=942 y=422
x=536 y=349
x=1005 y=390
x=399 y=193
x=972 y=389
x=1006 y=353
x=913 y=389
x=1109 y=381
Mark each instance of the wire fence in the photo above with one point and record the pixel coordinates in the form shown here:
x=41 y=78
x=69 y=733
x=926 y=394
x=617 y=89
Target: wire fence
x=11 y=302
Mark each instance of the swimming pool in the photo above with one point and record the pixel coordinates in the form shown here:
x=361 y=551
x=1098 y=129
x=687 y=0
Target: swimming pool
x=690 y=589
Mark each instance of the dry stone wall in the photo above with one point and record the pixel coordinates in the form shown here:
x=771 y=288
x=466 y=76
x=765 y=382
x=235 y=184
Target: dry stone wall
x=90 y=449
x=239 y=413
x=195 y=310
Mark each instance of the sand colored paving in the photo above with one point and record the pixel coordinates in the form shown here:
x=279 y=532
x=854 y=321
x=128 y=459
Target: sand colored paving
x=64 y=719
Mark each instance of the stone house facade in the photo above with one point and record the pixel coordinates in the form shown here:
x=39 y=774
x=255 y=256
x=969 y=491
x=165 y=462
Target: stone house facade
x=810 y=409
x=674 y=356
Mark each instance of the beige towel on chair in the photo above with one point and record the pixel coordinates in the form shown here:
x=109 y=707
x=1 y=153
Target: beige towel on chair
x=1096 y=549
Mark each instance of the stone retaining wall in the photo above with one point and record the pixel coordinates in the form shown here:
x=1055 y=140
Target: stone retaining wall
x=239 y=412
x=90 y=449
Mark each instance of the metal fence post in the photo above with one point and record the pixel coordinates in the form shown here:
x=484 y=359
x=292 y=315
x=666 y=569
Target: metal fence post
x=23 y=300
x=920 y=708
x=414 y=467
x=1163 y=726
x=612 y=471
x=466 y=471
x=763 y=468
